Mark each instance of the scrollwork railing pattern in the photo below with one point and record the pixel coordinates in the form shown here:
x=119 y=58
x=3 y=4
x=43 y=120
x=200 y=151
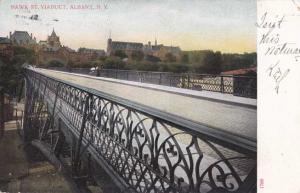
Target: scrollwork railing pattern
x=149 y=153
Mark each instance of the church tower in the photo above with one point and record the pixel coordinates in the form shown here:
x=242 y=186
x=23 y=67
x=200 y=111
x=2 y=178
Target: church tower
x=53 y=42
x=109 y=45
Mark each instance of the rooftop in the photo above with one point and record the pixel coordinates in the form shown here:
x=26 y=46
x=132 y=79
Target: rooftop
x=239 y=71
x=4 y=40
x=22 y=37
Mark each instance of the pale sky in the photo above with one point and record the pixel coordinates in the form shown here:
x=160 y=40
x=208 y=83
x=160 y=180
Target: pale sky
x=224 y=25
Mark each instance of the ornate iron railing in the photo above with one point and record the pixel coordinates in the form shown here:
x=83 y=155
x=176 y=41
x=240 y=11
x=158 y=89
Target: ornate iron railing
x=142 y=149
x=244 y=86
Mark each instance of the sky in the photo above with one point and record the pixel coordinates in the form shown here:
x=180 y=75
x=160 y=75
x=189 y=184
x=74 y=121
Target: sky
x=220 y=25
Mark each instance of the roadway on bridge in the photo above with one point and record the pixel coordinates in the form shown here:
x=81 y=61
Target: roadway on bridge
x=233 y=117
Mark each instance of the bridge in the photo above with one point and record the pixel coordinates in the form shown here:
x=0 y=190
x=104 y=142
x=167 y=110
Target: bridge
x=147 y=138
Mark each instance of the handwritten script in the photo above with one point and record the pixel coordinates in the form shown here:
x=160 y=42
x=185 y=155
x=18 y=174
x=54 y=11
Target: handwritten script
x=275 y=47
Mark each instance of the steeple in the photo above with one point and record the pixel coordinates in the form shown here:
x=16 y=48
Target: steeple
x=53 y=33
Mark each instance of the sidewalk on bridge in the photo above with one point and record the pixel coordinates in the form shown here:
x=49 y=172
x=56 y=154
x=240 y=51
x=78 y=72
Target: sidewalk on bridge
x=237 y=117
x=209 y=95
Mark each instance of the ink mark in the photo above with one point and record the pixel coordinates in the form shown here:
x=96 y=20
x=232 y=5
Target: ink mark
x=297 y=4
x=261 y=183
x=277 y=74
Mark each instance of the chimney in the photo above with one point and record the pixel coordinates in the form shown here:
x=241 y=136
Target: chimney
x=149 y=43
x=31 y=35
x=10 y=35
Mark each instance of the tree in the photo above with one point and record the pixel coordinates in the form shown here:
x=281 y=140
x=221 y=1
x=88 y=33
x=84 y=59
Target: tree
x=178 y=68
x=11 y=74
x=69 y=65
x=24 y=55
x=121 y=54
x=137 y=55
x=113 y=63
x=55 y=63
x=211 y=64
x=185 y=58
x=170 y=57
x=152 y=58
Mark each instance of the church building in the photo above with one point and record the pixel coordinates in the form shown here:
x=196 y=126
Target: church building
x=52 y=43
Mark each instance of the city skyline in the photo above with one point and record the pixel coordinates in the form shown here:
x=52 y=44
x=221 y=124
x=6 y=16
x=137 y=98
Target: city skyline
x=195 y=25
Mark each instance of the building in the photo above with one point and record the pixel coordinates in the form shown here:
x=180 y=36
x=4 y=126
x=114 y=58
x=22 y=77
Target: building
x=52 y=44
x=127 y=47
x=160 y=51
x=22 y=38
x=6 y=49
x=52 y=49
x=45 y=56
x=42 y=43
x=96 y=52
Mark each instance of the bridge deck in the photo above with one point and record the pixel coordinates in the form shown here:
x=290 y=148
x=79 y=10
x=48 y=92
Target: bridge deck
x=232 y=114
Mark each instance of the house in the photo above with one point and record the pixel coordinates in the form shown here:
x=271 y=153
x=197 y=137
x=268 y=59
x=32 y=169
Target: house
x=6 y=49
x=22 y=38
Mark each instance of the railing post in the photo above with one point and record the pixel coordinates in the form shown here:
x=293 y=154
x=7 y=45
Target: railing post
x=79 y=142
x=98 y=72
x=188 y=81
x=222 y=84
x=160 y=77
x=51 y=121
x=22 y=115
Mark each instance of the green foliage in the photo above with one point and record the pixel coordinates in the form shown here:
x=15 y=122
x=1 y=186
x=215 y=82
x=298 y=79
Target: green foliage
x=10 y=74
x=97 y=63
x=148 y=66
x=178 y=68
x=121 y=54
x=11 y=69
x=55 y=63
x=137 y=55
x=203 y=61
x=142 y=66
x=196 y=57
x=151 y=58
x=22 y=55
x=69 y=64
x=113 y=63
x=170 y=57
x=237 y=61
x=185 y=58
x=211 y=63
x=83 y=65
